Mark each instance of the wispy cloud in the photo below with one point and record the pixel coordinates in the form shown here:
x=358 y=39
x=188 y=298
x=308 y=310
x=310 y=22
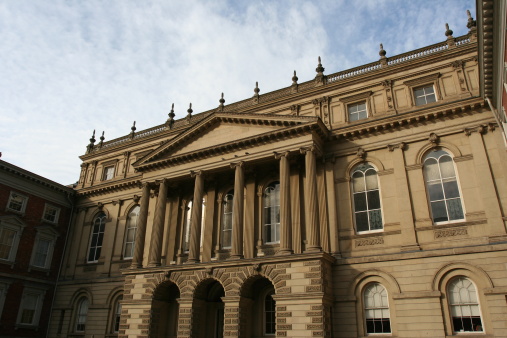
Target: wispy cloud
x=69 y=67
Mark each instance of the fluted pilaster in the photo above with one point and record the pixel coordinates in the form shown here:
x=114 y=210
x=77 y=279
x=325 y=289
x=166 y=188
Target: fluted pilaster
x=195 y=225
x=237 y=210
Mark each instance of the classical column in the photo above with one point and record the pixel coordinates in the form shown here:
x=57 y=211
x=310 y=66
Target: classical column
x=195 y=225
x=409 y=237
x=285 y=216
x=137 y=260
x=488 y=192
x=237 y=211
x=311 y=207
x=158 y=226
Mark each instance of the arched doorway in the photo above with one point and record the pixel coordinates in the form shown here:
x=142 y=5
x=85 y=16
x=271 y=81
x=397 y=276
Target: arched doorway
x=208 y=310
x=164 y=311
x=258 y=308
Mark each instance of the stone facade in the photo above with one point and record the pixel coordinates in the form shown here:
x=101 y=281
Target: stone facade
x=310 y=211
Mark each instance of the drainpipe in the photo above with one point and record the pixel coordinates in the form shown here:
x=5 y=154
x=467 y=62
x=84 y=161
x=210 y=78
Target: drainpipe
x=500 y=123
x=61 y=262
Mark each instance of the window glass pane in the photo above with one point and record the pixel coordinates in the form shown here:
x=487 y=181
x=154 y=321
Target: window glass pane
x=435 y=191
x=419 y=92
x=362 y=221
x=464 y=307
x=358 y=181
x=41 y=252
x=431 y=98
x=451 y=189
x=447 y=166
x=438 y=211
x=371 y=179
x=375 y=220
x=363 y=114
x=360 y=201
x=431 y=170
x=373 y=199
x=455 y=209
x=6 y=242
x=419 y=101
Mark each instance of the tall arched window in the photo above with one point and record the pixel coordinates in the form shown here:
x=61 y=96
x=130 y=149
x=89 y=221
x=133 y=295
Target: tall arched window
x=366 y=198
x=442 y=187
x=186 y=226
x=130 y=235
x=271 y=213
x=464 y=305
x=269 y=314
x=226 y=236
x=376 y=309
x=97 y=236
x=81 y=313
x=116 y=315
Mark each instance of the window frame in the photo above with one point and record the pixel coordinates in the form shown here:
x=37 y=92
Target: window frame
x=127 y=228
x=57 y=213
x=364 y=309
x=80 y=315
x=357 y=104
x=116 y=314
x=39 y=293
x=355 y=169
x=425 y=81
x=265 y=229
x=106 y=172
x=456 y=178
x=47 y=234
x=450 y=306
x=103 y=216
x=12 y=195
x=269 y=293
x=355 y=99
x=229 y=192
x=15 y=225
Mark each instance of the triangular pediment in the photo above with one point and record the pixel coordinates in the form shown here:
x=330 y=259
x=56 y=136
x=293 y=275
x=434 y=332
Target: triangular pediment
x=12 y=220
x=226 y=130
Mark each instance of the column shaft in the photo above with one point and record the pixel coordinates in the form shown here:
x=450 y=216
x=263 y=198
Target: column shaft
x=311 y=206
x=237 y=211
x=285 y=212
x=158 y=226
x=195 y=225
x=137 y=260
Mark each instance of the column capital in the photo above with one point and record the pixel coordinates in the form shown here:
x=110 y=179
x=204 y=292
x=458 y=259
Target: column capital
x=161 y=181
x=400 y=145
x=282 y=154
x=481 y=129
x=310 y=148
x=194 y=173
x=240 y=164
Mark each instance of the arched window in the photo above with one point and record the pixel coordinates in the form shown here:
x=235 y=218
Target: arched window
x=226 y=236
x=130 y=236
x=442 y=187
x=376 y=309
x=464 y=305
x=271 y=213
x=82 y=312
x=366 y=197
x=186 y=226
x=116 y=315
x=269 y=314
x=97 y=237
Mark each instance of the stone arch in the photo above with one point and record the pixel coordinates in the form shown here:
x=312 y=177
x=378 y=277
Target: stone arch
x=454 y=150
x=475 y=273
x=165 y=309
x=81 y=292
x=369 y=159
x=208 y=307
x=129 y=207
x=93 y=213
x=374 y=274
x=113 y=294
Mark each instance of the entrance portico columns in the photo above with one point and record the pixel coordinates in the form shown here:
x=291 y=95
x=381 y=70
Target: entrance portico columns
x=137 y=260
x=311 y=207
x=285 y=213
x=237 y=214
x=158 y=226
x=196 y=220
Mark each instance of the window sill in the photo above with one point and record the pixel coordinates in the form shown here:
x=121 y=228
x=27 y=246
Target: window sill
x=26 y=327
x=6 y=262
x=19 y=213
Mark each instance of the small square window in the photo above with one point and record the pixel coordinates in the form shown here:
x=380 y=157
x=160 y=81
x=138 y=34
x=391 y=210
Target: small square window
x=424 y=95
x=108 y=173
x=17 y=202
x=357 y=111
x=51 y=213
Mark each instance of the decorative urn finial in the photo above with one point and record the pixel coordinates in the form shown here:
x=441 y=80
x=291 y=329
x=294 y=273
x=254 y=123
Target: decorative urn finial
x=90 y=146
x=170 y=120
x=102 y=138
x=256 y=89
x=382 y=52
x=319 y=69
x=222 y=101
x=189 y=111
x=133 y=130
x=294 y=79
x=448 y=31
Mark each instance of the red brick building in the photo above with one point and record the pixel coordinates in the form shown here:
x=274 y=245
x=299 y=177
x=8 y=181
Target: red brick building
x=34 y=217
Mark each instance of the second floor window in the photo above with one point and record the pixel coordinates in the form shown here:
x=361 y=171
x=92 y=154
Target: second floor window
x=97 y=236
x=366 y=199
x=424 y=95
x=108 y=173
x=271 y=213
x=130 y=236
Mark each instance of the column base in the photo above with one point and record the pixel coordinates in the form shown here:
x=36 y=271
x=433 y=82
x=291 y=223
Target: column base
x=192 y=261
x=153 y=265
x=282 y=252
x=135 y=266
x=313 y=249
x=234 y=257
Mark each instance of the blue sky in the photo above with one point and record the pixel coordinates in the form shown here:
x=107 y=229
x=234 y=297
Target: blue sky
x=69 y=67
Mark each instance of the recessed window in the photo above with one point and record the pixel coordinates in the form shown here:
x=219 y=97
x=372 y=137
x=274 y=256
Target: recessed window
x=442 y=187
x=51 y=213
x=130 y=236
x=81 y=314
x=97 y=236
x=117 y=315
x=17 y=202
x=186 y=226
x=269 y=314
x=31 y=306
x=226 y=238
x=464 y=306
x=43 y=248
x=424 y=95
x=357 y=111
x=271 y=213
x=366 y=198
x=10 y=233
x=376 y=309
x=108 y=173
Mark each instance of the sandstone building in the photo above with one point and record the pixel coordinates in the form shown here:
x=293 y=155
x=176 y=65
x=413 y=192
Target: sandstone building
x=369 y=201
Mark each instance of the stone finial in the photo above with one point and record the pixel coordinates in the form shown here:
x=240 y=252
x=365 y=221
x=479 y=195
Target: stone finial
x=448 y=31
x=256 y=89
x=382 y=52
x=189 y=111
x=294 y=79
x=170 y=120
x=320 y=69
x=90 y=146
x=471 y=22
x=320 y=78
x=102 y=138
x=222 y=101
x=133 y=130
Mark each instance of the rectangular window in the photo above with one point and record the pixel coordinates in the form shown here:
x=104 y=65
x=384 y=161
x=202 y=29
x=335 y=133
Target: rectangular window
x=31 y=306
x=424 y=95
x=42 y=251
x=17 y=202
x=357 y=111
x=51 y=213
x=3 y=294
x=7 y=242
x=108 y=173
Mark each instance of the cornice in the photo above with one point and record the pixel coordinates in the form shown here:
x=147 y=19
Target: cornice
x=109 y=186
